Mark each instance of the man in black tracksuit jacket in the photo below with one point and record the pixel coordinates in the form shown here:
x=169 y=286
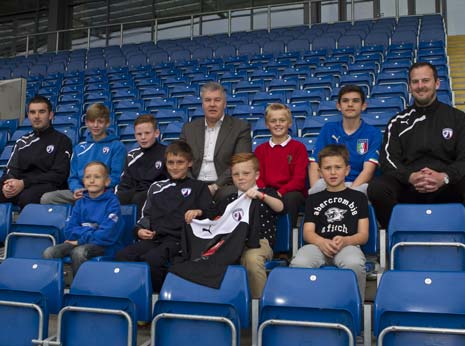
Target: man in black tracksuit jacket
x=40 y=159
x=423 y=154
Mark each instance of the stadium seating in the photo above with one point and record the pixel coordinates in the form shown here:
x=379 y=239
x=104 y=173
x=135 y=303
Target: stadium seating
x=420 y=308
x=105 y=301
x=29 y=291
x=5 y=220
x=37 y=227
x=207 y=316
x=321 y=305
x=427 y=237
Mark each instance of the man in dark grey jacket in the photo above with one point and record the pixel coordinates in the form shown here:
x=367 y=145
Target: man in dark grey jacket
x=423 y=154
x=214 y=139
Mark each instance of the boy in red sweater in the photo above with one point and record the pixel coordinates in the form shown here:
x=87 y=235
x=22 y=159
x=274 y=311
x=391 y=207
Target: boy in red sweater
x=283 y=160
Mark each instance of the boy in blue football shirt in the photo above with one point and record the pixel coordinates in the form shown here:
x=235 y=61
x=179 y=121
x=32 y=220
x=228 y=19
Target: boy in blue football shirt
x=362 y=140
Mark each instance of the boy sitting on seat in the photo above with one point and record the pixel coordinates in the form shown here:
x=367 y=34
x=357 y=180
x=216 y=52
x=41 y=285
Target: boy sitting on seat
x=336 y=219
x=95 y=227
x=160 y=227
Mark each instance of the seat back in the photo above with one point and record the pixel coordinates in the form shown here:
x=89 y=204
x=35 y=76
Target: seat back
x=5 y=219
x=430 y=223
x=430 y=300
x=129 y=214
x=310 y=295
x=116 y=280
x=179 y=296
x=43 y=218
x=34 y=275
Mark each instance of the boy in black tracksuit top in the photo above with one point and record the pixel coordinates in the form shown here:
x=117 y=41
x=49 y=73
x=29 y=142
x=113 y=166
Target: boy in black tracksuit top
x=423 y=153
x=40 y=159
x=144 y=164
x=160 y=227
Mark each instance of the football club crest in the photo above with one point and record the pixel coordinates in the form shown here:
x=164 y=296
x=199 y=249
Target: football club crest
x=106 y=150
x=186 y=191
x=237 y=214
x=447 y=133
x=158 y=164
x=113 y=217
x=50 y=148
x=362 y=146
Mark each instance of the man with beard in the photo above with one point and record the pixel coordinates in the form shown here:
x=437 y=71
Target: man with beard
x=423 y=153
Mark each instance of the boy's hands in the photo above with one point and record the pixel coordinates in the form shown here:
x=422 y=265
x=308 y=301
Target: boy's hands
x=144 y=233
x=253 y=193
x=192 y=214
x=328 y=247
x=72 y=242
x=78 y=193
x=331 y=247
x=340 y=242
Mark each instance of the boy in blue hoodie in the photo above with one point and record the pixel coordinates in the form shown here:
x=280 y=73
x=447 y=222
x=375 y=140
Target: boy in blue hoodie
x=95 y=227
x=101 y=144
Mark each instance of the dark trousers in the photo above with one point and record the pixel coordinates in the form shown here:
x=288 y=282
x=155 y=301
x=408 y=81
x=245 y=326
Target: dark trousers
x=157 y=253
x=385 y=192
x=293 y=200
x=31 y=194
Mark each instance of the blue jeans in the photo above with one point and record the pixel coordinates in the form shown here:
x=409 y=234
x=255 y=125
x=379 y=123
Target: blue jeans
x=78 y=253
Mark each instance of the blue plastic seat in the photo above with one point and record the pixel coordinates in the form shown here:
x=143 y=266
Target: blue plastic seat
x=206 y=316
x=427 y=237
x=29 y=291
x=283 y=242
x=420 y=308
x=321 y=305
x=5 y=220
x=105 y=301
x=37 y=227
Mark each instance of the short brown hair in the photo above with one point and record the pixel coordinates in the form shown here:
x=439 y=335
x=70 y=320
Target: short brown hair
x=98 y=110
x=278 y=107
x=146 y=118
x=334 y=150
x=180 y=148
x=423 y=64
x=245 y=157
x=101 y=164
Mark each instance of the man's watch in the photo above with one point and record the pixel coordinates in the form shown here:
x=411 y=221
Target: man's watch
x=446 y=179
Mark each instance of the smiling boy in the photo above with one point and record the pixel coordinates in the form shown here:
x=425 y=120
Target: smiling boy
x=160 y=227
x=102 y=145
x=144 y=164
x=336 y=220
x=362 y=140
x=283 y=160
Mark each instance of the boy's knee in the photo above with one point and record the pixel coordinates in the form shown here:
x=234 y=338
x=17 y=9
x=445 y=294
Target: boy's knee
x=79 y=252
x=46 y=198
x=48 y=253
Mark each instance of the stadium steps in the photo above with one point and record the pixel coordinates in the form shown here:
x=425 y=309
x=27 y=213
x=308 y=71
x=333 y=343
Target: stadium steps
x=456 y=53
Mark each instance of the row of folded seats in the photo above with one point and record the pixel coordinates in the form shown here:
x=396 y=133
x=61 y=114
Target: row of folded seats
x=339 y=35
x=419 y=295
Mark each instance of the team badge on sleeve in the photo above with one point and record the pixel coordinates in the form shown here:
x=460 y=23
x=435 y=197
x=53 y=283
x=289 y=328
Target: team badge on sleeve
x=113 y=217
x=158 y=164
x=186 y=191
x=50 y=148
x=106 y=150
x=362 y=146
x=447 y=133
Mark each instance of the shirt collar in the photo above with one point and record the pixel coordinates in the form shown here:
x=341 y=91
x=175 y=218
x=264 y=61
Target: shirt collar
x=218 y=124
x=283 y=144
